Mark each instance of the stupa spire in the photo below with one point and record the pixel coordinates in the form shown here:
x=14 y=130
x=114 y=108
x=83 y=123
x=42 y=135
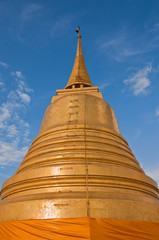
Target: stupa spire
x=79 y=76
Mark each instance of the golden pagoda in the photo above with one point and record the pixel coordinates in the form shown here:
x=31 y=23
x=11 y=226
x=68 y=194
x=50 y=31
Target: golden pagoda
x=79 y=166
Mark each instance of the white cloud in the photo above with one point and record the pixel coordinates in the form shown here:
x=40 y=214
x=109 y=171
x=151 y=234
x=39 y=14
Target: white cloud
x=4 y=175
x=154 y=174
x=1 y=83
x=111 y=43
x=139 y=82
x=24 y=97
x=137 y=134
x=131 y=52
x=155 y=27
x=60 y=26
x=20 y=81
x=120 y=47
x=157 y=113
x=103 y=85
x=123 y=45
x=4 y=113
x=17 y=74
x=10 y=152
x=14 y=130
x=3 y=64
x=30 y=10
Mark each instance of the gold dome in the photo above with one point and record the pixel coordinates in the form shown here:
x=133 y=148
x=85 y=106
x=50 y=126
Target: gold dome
x=79 y=165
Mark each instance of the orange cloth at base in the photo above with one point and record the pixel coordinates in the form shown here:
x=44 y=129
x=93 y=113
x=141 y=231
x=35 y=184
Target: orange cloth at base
x=79 y=229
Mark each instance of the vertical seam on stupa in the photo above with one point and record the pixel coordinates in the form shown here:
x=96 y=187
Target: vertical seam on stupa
x=86 y=163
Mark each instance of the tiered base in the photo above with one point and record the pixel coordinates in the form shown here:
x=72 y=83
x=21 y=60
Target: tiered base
x=105 y=209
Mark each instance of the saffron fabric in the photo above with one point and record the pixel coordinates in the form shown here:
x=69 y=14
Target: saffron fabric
x=79 y=229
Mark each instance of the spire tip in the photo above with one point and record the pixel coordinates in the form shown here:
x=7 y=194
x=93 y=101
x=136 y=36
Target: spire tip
x=78 y=31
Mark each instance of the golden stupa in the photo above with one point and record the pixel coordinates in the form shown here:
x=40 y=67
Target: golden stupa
x=79 y=165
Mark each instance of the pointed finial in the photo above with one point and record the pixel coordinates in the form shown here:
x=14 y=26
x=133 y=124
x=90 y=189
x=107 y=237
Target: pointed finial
x=79 y=76
x=78 y=31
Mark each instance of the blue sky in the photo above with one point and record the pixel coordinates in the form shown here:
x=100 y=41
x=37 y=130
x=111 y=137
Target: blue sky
x=120 y=41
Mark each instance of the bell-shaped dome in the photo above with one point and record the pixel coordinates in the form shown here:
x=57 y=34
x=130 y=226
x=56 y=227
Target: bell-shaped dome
x=79 y=165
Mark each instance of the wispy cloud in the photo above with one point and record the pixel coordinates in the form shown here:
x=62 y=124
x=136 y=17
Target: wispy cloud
x=10 y=152
x=137 y=134
x=4 y=175
x=3 y=64
x=18 y=74
x=29 y=18
x=157 y=113
x=103 y=85
x=60 y=26
x=14 y=130
x=139 y=82
x=155 y=27
x=111 y=43
x=1 y=83
x=24 y=96
x=154 y=174
x=123 y=45
x=30 y=10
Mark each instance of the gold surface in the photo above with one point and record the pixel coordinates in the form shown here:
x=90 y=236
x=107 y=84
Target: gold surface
x=79 y=165
x=79 y=75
